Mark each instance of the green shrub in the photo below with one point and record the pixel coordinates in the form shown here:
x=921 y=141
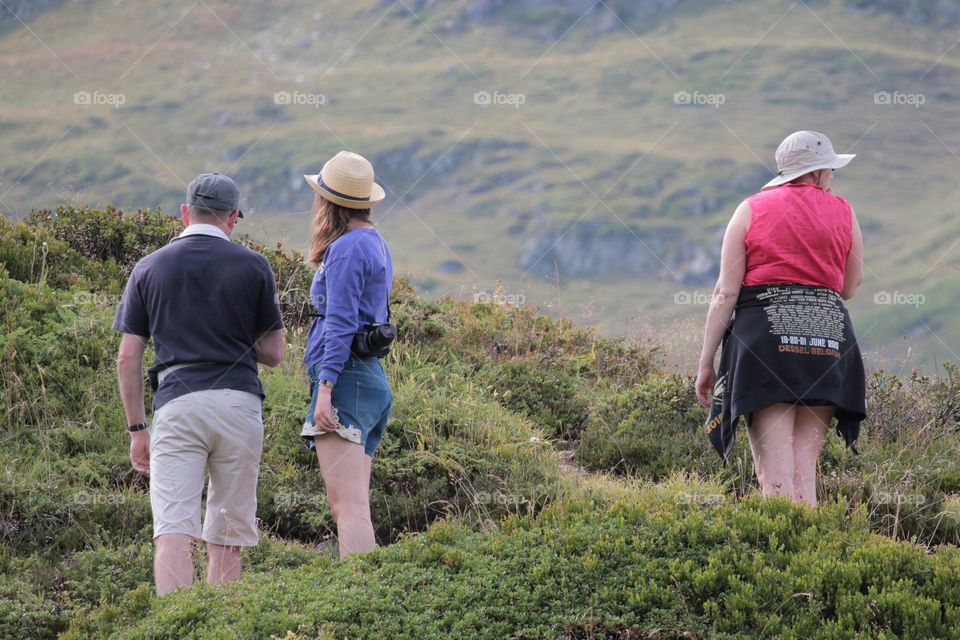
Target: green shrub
x=37 y=599
x=36 y=256
x=53 y=342
x=108 y=237
x=480 y=334
x=649 y=564
x=909 y=467
x=651 y=429
x=294 y=277
x=540 y=389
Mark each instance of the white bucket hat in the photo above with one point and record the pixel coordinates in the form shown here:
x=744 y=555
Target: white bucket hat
x=347 y=179
x=804 y=151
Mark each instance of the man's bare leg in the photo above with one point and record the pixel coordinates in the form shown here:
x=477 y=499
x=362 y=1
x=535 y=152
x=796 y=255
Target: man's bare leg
x=223 y=563
x=172 y=562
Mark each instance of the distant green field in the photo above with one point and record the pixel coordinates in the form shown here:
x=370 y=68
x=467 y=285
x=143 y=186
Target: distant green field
x=587 y=189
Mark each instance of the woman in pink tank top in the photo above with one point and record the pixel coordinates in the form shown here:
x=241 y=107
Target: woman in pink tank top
x=789 y=362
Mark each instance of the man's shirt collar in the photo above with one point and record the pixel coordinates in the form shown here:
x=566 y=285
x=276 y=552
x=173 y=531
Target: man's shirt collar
x=200 y=229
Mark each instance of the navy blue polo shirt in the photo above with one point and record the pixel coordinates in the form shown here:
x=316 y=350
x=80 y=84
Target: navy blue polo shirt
x=203 y=299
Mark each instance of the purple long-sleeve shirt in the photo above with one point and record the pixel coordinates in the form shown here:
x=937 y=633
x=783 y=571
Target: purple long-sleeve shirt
x=349 y=291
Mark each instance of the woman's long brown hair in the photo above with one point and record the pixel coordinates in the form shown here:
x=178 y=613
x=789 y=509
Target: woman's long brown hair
x=330 y=221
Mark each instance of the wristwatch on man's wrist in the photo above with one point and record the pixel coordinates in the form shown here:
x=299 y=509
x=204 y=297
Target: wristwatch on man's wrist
x=134 y=428
x=327 y=383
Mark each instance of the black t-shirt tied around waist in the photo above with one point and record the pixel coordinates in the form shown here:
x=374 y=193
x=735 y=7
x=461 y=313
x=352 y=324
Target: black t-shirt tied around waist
x=788 y=343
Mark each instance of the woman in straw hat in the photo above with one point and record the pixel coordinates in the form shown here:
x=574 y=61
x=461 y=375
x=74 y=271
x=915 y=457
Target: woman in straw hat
x=350 y=395
x=789 y=360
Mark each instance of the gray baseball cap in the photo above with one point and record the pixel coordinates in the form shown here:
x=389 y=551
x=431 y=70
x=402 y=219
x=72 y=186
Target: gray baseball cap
x=214 y=191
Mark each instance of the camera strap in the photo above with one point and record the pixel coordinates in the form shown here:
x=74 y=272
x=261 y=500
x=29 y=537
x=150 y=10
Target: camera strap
x=383 y=251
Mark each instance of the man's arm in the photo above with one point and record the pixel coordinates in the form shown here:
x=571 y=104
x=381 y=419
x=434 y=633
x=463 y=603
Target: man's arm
x=270 y=347
x=269 y=344
x=130 y=374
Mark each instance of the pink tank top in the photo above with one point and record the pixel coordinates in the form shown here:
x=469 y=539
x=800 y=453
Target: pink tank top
x=798 y=233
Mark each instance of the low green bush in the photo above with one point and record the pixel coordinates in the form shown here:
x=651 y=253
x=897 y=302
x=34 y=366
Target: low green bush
x=36 y=256
x=908 y=473
x=109 y=238
x=650 y=429
x=651 y=564
x=541 y=389
x=52 y=344
x=479 y=334
x=37 y=599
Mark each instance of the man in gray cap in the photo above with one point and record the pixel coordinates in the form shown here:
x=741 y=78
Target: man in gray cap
x=210 y=306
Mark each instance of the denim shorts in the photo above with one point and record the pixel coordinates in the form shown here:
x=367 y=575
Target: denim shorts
x=361 y=399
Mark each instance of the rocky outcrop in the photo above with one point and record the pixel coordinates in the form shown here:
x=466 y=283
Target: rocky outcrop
x=921 y=12
x=12 y=12
x=551 y=18
x=596 y=248
x=548 y=19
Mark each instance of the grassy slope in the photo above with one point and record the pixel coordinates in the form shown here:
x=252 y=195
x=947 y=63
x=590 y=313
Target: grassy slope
x=486 y=397
x=642 y=562
x=597 y=103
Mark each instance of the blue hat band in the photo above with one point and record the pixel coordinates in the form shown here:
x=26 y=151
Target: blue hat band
x=338 y=194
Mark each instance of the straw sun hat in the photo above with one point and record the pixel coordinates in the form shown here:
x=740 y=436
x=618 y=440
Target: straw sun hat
x=804 y=151
x=347 y=179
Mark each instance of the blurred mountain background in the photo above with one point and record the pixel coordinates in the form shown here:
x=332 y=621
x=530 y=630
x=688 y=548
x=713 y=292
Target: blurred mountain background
x=579 y=156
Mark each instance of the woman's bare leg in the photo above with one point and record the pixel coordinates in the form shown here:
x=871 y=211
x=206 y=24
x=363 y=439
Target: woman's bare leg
x=771 y=441
x=809 y=429
x=346 y=473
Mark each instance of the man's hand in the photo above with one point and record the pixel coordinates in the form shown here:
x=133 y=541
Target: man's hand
x=323 y=415
x=140 y=451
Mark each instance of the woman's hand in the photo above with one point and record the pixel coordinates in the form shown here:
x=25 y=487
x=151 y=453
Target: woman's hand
x=706 y=377
x=323 y=418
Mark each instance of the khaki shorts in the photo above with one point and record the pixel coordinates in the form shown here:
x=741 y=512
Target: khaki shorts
x=219 y=432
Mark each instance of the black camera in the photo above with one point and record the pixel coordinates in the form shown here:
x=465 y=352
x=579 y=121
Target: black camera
x=374 y=341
